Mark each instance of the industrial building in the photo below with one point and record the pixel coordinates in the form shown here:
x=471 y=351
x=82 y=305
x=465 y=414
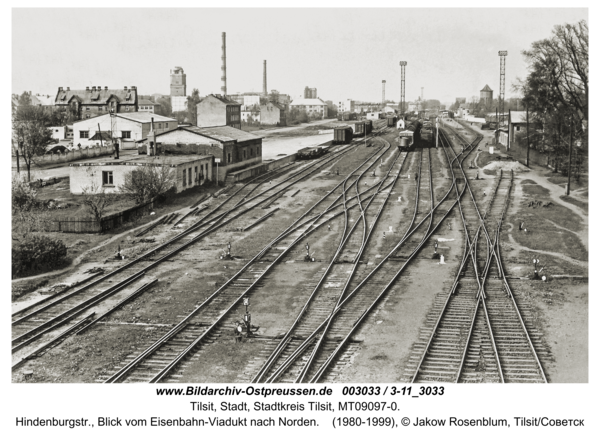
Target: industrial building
x=234 y=148
x=190 y=171
x=218 y=110
x=347 y=105
x=95 y=101
x=126 y=128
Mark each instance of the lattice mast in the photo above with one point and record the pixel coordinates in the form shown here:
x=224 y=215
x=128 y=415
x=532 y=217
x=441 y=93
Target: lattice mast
x=502 y=54
x=402 y=84
x=383 y=92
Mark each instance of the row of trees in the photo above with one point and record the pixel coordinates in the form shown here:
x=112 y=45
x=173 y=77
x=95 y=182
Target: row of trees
x=556 y=89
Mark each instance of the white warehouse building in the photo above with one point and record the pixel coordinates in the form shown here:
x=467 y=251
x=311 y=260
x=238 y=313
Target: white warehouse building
x=128 y=128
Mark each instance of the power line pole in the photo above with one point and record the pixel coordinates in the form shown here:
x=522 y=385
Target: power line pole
x=502 y=54
x=527 y=127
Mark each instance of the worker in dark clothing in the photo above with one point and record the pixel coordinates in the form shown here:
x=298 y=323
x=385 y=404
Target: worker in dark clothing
x=116 y=150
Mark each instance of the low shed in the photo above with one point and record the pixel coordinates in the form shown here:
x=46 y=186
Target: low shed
x=109 y=174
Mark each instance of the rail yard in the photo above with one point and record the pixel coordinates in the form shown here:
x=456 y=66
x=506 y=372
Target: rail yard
x=382 y=259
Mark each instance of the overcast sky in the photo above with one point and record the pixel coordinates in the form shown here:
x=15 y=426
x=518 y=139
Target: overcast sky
x=344 y=53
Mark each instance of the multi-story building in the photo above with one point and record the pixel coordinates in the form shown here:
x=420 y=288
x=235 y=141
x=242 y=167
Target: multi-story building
x=147 y=106
x=310 y=93
x=178 y=90
x=95 y=101
x=347 y=105
x=218 y=110
x=311 y=106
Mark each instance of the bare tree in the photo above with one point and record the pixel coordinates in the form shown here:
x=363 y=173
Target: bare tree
x=147 y=182
x=96 y=200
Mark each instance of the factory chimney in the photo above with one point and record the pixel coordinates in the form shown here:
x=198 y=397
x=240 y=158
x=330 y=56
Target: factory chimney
x=383 y=92
x=223 y=67
x=265 y=77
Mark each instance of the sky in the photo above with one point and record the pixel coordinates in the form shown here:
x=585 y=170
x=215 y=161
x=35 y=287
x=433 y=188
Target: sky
x=344 y=53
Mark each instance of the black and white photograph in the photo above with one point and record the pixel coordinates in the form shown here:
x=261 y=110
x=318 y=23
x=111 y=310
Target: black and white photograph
x=358 y=195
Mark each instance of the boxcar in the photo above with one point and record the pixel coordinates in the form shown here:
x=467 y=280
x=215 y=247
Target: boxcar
x=369 y=126
x=342 y=135
x=391 y=121
x=359 y=128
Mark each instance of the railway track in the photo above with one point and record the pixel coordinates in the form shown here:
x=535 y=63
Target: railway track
x=476 y=332
x=218 y=311
x=311 y=364
x=34 y=325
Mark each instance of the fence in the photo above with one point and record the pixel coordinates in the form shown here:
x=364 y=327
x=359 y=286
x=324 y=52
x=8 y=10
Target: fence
x=73 y=155
x=78 y=226
x=518 y=150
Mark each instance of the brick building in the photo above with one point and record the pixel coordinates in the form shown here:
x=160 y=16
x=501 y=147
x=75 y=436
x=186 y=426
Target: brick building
x=216 y=110
x=234 y=148
x=95 y=101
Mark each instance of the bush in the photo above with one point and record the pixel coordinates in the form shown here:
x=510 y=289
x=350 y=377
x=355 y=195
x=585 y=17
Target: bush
x=37 y=253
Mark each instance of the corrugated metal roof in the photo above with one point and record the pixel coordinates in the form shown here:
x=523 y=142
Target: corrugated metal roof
x=220 y=133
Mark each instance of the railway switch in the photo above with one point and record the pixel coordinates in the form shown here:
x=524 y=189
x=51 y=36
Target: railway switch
x=227 y=256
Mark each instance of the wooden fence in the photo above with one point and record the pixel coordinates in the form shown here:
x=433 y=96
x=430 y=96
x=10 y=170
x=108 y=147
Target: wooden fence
x=78 y=226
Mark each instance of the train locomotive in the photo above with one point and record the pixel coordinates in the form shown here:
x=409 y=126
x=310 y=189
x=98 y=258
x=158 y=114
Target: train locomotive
x=410 y=136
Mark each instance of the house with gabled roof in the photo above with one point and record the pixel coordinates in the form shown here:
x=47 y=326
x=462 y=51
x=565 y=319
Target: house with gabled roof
x=95 y=101
x=218 y=110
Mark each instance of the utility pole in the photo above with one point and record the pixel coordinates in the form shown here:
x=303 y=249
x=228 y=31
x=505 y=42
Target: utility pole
x=527 y=127
x=570 y=152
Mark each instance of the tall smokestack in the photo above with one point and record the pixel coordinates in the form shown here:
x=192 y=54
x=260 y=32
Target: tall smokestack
x=223 y=67
x=265 y=78
x=383 y=92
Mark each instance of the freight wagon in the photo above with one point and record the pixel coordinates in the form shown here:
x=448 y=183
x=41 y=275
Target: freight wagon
x=311 y=152
x=342 y=135
x=410 y=137
x=391 y=121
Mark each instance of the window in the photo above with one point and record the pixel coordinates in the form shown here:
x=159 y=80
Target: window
x=184 y=178
x=126 y=134
x=87 y=115
x=126 y=108
x=228 y=157
x=190 y=175
x=166 y=125
x=160 y=125
x=196 y=174
x=55 y=130
x=244 y=154
x=87 y=108
x=518 y=128
x=84 y=134
x=107 y=178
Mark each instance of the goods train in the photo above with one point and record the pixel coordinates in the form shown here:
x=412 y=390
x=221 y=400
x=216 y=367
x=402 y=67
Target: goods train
x=392 y=120
x=342 y=135
x=410 y=136
x=363 y=127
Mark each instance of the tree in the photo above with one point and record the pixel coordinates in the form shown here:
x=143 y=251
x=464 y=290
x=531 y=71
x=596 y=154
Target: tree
x=274 y=96
x=29 y=215
x=166 y=108
x=147 y=182
x=96 y=200
x=25 y=99
x=192 y=101
x=31 y=133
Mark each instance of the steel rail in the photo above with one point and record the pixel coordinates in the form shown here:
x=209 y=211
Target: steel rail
x=292 y=228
